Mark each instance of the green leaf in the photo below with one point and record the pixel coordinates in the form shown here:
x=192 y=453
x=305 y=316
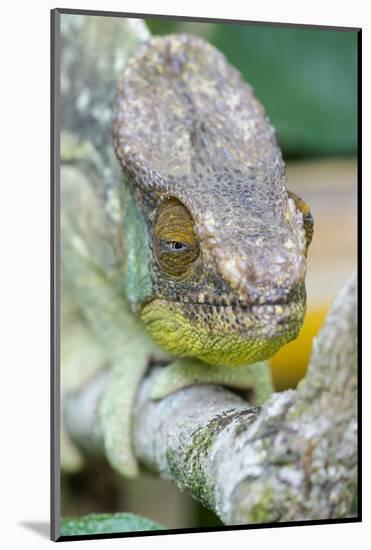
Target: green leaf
x=95 y=524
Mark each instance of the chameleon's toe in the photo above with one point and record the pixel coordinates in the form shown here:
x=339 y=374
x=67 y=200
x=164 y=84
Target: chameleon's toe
x=183 y=373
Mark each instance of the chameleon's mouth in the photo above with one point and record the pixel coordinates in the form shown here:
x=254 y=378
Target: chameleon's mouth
x=266 y=319
x=258 y=308
x=223 y=334
x=231 y=309
x=275 y=302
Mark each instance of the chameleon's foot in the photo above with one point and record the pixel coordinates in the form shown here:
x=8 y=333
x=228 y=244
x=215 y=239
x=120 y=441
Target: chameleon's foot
x=116 y=423
x=116 y=417
x=255 y=378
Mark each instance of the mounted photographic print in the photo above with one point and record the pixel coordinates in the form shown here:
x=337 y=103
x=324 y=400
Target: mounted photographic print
x=204 y=209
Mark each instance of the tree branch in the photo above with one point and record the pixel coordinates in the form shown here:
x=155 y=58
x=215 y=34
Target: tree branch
x=293 y=459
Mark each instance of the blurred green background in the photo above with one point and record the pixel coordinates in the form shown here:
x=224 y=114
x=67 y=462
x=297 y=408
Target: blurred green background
x=305 y=78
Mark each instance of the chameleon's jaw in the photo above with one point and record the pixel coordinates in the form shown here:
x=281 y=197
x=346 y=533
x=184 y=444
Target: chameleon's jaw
x=223 y=335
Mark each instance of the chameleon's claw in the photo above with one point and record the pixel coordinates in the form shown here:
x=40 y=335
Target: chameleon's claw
x=187 y=372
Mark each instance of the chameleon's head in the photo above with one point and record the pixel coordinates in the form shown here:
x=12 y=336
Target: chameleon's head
x=217 y=256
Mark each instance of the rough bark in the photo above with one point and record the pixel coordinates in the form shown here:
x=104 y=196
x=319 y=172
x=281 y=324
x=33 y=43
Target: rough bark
x=293 y=459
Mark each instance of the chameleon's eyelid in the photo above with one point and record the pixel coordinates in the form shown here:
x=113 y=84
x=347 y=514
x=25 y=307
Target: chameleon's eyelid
x=174 y=221
x=174 y=226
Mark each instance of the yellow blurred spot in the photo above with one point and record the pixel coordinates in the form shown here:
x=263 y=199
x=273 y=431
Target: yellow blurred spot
x=290 y=364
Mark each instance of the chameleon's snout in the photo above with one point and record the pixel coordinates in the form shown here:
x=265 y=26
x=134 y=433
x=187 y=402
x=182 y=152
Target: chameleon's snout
x=261 y=259
x=269 y=277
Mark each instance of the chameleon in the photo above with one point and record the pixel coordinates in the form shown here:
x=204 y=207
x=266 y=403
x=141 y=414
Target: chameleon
x=191 y=253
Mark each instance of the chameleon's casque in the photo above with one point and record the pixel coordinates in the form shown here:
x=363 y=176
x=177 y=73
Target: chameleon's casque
x=225 y=242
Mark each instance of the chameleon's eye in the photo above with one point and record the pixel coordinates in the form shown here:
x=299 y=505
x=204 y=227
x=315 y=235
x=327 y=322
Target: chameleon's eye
x=307 y=216
x=175 y=241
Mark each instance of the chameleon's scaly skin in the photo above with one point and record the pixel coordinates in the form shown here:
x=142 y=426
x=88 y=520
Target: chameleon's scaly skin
x=185 y=126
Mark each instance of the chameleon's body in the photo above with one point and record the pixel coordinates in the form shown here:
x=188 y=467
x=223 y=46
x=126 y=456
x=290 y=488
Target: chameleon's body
x=198 y=246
